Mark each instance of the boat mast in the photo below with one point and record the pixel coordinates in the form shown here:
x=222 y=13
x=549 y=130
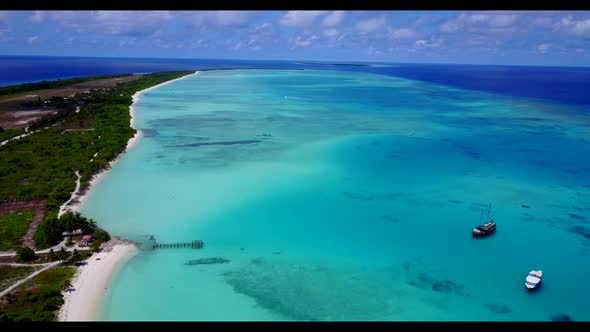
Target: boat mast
x=480 y=215
x=488 y=217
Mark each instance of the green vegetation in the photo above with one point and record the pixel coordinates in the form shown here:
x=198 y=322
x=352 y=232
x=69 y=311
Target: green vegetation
x=11 y=274
x=27 y=87
x=13 y=227
x=44 y=164
x=37 y=299
x=51 y=230
x=26 y=254
x=8 y=133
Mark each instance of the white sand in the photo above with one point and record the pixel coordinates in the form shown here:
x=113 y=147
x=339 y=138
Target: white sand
x=91 y=281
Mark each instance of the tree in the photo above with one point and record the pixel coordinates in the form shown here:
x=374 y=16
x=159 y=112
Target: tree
x=96 y=246
x=52 y=255
x=26 y=254
x=63 y=255
x=76 y=257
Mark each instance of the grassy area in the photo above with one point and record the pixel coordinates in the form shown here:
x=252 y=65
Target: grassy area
x=37 y=299
x=9 y=133
x=44 y=164
x=11 y=274
x=13 y=227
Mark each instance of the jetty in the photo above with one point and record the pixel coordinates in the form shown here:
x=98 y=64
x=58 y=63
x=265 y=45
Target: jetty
x=196 y=244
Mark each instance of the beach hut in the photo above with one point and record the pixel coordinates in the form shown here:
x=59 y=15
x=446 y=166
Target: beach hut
x=86 y=240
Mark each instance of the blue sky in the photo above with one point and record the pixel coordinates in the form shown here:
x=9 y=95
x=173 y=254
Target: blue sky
x=489 y=37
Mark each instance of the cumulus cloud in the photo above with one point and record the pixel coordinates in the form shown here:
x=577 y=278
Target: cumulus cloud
x=572 y=26
x=300 y=18
x=371 y=25
x=330 y=32
x=543 y=48
x=301 y=42
x=333 y=19
x=466 y=21
x=422 y=43
x=403 y=33
x=37 y=17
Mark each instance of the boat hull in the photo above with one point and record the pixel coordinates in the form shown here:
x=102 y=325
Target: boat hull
x=483 y=234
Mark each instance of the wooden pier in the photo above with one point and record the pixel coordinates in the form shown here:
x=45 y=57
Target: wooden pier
x=196 y=244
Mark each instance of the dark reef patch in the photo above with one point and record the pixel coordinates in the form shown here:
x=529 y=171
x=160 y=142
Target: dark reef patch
x=580 y=208
x=577 y=217
x=541 y=163
x=394 y=196
x=585 y=232
x=456 y=201
x=391 y=219
x=561 y=318
x=499 y=308
x=310 y=291
x=426 y=280
x=528 y=217
x=196 y=145
x=149 y=132
x=359 y=196
x=524 y=206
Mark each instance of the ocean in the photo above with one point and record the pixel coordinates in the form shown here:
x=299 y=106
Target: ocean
x=348 y=192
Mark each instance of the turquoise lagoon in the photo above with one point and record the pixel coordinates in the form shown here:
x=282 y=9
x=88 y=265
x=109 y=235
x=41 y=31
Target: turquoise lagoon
x=348 y=196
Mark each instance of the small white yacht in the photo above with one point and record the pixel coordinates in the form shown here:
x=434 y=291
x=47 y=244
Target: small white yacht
x=533 y=280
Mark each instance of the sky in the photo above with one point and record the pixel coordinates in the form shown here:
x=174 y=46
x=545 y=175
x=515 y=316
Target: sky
x=555 y=38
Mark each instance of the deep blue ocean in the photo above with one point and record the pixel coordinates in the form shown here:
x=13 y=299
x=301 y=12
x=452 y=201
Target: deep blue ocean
x=559 y=84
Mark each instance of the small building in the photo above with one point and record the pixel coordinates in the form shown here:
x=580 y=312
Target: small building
x=86 y=240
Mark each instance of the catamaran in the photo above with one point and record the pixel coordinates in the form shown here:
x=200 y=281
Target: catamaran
x=484 y=229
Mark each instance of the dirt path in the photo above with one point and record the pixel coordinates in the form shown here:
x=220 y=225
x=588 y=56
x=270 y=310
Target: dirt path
x=63 y=207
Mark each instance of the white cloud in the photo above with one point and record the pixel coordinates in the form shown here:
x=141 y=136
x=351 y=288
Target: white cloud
x=233 y=18
x=371 y=25
x=502 y=20
x=33 y=39
x=421 y=43
x=330 y=32
x=300 y=18
x=333 y=19
x=403 y=33
x=37 y=17
x=543 y=48
x=466 y=21
x=303 y=42
x=137 y=23
x=579 y=27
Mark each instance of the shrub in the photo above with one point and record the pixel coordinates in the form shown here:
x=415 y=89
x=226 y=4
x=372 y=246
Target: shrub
x=25 y=254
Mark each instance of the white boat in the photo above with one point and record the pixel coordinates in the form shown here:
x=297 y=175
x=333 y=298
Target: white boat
x=533 y=279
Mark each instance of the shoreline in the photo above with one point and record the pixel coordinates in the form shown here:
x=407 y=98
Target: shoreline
x=92 y=280
x=79 y=200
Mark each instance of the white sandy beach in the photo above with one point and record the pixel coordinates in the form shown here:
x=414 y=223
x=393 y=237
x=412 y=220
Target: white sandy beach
x=91 y=280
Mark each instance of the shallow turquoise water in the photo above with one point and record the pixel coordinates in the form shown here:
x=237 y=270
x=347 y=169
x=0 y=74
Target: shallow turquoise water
x=348 y=196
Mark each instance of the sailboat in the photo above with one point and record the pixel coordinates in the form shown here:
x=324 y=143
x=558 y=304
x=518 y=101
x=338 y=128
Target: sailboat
x=484 y=229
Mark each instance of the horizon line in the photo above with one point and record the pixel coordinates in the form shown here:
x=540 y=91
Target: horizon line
x=297 y=60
